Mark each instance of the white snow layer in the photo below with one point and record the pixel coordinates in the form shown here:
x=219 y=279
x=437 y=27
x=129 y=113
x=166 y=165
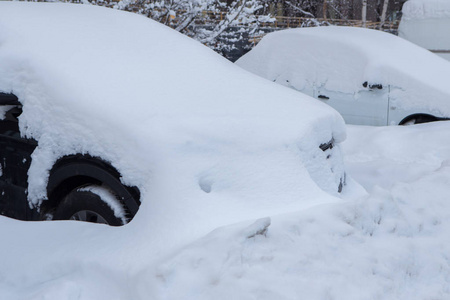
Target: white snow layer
x=147 y=99
x=213 y=155
x=341 y=59
x=389 y=244
x=207 y=143
x=426 y=23
x=425 y=9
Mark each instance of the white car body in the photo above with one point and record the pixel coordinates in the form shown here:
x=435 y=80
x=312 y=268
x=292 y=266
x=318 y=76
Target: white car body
x=369 y=77
x=426 y=23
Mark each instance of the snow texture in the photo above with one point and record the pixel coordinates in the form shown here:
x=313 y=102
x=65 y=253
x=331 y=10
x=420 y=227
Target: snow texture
x=118 y=86
x=341 y=59
x=425 y=9
x=206 y=143
x=389 y=244
x=229 y=209
x=426 y=23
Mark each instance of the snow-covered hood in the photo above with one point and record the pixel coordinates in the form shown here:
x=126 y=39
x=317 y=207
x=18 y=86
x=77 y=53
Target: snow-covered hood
x=341 y=59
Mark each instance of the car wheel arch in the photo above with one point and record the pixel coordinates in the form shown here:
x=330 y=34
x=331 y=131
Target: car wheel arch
x=420 y=118
x=74 y=171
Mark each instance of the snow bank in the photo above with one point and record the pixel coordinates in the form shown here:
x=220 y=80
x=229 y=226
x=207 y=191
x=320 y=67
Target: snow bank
x=391 y=244
x=382 y=157
x=341 y=59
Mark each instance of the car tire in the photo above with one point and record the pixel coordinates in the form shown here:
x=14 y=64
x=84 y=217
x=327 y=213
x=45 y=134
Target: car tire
x=409 y=122
x=93 y=204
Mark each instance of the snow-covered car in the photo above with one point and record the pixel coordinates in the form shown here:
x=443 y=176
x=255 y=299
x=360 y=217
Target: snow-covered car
x=370 y=77
x=104 y=110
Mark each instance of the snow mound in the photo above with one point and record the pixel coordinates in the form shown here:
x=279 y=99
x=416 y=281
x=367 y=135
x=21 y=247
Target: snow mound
x=377 y=156
x=392 y=244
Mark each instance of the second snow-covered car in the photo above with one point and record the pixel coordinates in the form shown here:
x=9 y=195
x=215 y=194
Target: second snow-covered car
x=103 y=111
x=370 y=77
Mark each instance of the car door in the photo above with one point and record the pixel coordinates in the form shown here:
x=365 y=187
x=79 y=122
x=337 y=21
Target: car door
x=15 y=160
x=369 y=106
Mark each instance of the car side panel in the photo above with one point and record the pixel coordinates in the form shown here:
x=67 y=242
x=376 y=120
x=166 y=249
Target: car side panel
x=366 y=107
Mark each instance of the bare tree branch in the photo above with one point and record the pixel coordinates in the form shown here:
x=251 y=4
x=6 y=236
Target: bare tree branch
x=299 y=9
x=383 y=14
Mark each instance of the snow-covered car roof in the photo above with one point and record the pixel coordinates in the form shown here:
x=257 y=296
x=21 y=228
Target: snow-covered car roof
x=174 y=118
x=343 y=58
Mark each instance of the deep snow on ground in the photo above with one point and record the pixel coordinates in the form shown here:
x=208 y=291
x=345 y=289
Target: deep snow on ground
x=386 y=156
x=390 y=243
